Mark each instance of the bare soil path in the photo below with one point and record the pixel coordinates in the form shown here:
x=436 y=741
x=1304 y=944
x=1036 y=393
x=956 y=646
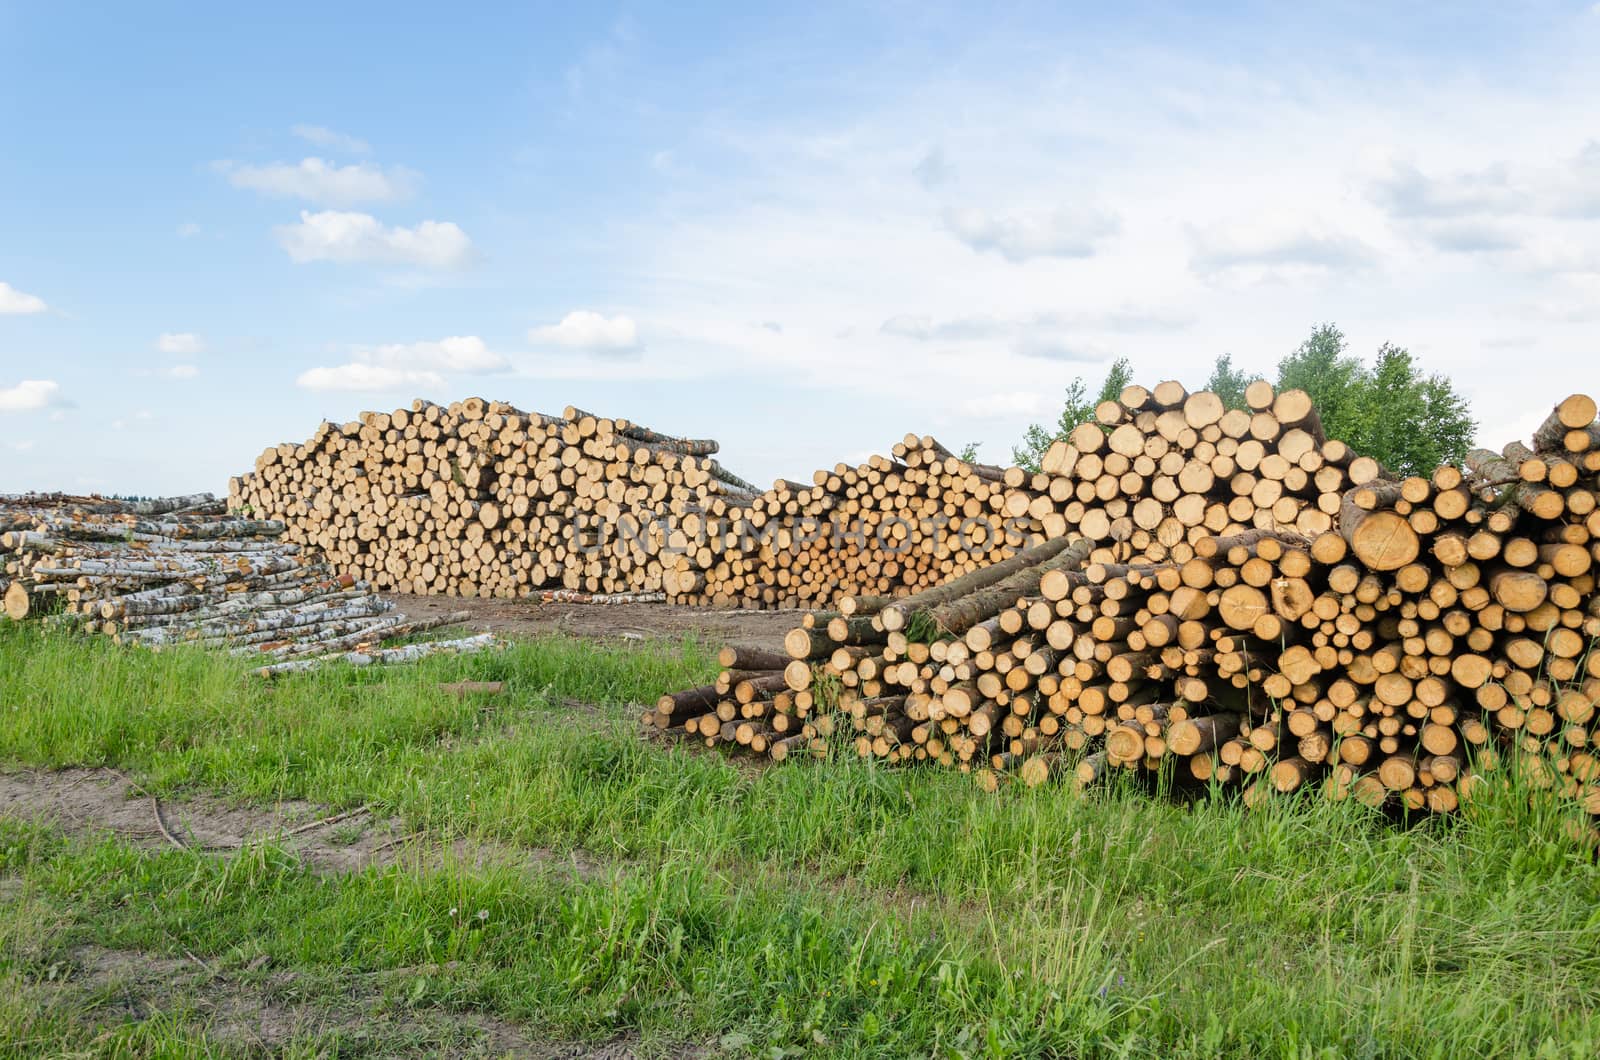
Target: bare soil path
x=98 y=802
x=259 y=1008
x=255 y=1006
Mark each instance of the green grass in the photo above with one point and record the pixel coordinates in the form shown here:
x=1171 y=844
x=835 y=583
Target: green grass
x=825 y=908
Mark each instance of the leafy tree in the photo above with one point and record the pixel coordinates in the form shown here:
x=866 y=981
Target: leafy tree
x=1446 y=421
x=1322 y=369
x=1036 y=440
x=1228 y=382
x=969 y=452
x=1117 y=380
x=1411 y=422
x=1078 y=409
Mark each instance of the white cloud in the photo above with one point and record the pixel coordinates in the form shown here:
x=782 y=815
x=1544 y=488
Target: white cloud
x=1011 y=405
x=22 y=446
x=323 y=136
x=909 y=326
x=181 y=343
x=357 y=237
x=1039 y=234
x=959 y=329
x=1055 y=347
x=361 y=376
x=1580 y=307
x=30 y=395
x=182 y=371
x=322 y=182
x=13 y=301
x=584 y=329
x=933 y=170
x=1504 y=207
x=188 y=230
x=458 y=353
x=666 y=163
x=1470 y=236
x=1264 y=247
x=1564 y=253
x=1577 y=187
x=1057 y=336
x=1406 y=192
x=866 y=284
x=411 y=364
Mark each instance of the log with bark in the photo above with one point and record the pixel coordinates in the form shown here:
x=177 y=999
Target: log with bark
x=181 y=571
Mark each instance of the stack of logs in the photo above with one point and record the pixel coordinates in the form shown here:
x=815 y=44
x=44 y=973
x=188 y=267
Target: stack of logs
x=893 y=525
x=479 y=498
x=182 y=571
x=1390 y=649
x=761 y=700
x=1153 y=473
x=27 y=519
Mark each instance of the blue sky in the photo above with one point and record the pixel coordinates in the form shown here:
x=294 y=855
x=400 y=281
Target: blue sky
x=803 y=230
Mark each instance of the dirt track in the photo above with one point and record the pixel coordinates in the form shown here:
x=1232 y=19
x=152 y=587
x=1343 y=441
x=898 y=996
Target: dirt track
x=249 y=1004
x=612 y=620
x=95 y=802
x=255 y=1006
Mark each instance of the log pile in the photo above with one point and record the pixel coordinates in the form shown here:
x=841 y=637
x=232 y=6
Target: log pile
x=1154 y=472
x=761 y=701
x=890 y=526
x=182 y=571
x=27 y=521
x=1384 y=639
x=479 y=498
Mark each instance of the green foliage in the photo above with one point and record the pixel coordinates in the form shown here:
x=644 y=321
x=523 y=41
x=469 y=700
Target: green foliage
x=1117 y=379
x=1036 y=440
x=1322 y=369
x=969 y=452
x=1228 y=382
x=1418 y=421
x=1409 y=421
x=1078 y=409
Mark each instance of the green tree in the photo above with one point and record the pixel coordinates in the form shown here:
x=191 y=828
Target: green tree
x=1411 y=422
x=1228 y=382
x=1322 y=369
x=1079 y=408
x=969 y=453
x=1447 y=421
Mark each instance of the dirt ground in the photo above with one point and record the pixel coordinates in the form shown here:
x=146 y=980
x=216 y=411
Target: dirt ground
x=760 y=628
x=254 y=1005
x=96 y=802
